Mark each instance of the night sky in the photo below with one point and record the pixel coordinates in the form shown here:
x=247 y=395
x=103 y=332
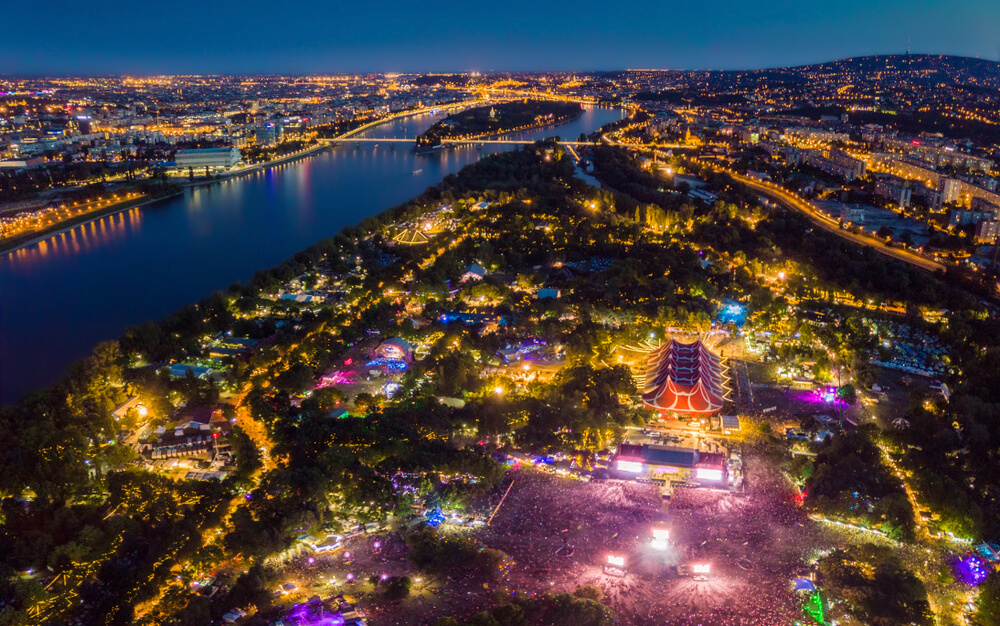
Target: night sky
x=310 y=36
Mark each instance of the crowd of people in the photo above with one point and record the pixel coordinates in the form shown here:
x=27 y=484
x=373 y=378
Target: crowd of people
x=713 y=527
x=559 y=534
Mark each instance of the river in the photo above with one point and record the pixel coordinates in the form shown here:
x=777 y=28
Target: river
x=62 y=296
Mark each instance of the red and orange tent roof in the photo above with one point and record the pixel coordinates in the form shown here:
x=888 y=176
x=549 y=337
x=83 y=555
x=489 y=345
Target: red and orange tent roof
x=684 y=378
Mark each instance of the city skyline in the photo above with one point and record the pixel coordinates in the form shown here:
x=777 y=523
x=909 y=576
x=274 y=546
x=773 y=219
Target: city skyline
x=445 y=37
x=500 y=314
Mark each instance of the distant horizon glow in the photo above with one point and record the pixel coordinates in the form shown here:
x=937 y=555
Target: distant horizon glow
x=228 y=37
x=7 y=74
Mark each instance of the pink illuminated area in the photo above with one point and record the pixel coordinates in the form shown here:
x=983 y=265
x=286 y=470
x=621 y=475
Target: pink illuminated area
x=822 y=396
x=336 y=378
x=665 y=469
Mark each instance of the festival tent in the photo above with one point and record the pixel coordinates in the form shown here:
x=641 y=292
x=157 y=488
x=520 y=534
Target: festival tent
x=411 y=237
x=685 y=378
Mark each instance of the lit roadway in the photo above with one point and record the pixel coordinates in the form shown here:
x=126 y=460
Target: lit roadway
x=506 y=95
x=452 y=141
x=825 y=222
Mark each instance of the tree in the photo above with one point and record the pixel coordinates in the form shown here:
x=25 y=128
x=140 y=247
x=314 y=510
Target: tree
x=296 y=378
x=988 y=607
x=396 y=587
x=323 y=401
x=873 y=585
x=443 y=554
x=848 y=394
x=482 y=619
x=252 y=588
x=197 y=612
x=589 y=592
x=364 y=402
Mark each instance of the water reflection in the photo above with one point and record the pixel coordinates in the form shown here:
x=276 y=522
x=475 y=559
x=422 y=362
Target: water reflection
x=80 y=287
x=71 y=242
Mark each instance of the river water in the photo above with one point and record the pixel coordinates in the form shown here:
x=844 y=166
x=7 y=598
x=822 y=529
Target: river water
x=62 y=296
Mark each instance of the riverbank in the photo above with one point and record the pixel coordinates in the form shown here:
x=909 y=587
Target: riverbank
x=451 y=144
x=16 y=243
x=498 y=119
x=72 y=295
x=312 y=151
x=256 y=167
x=551 y=124
x=290 y=158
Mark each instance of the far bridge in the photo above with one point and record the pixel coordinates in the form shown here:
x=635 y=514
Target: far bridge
x=413 y=141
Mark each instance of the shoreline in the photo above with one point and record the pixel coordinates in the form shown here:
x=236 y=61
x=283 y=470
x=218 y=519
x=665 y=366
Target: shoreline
x=14 y=246
x=553 y=124
x=70 y=224
x=257 y=167
x=497 y=135
x=117 y=335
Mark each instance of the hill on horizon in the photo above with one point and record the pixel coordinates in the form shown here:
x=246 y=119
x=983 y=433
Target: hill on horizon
x=905 y=62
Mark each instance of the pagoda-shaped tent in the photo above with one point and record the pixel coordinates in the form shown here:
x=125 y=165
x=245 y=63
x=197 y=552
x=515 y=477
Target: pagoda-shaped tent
x=685 y=378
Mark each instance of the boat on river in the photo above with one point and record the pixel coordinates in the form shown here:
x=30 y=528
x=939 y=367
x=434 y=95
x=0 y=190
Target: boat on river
x=425 y=150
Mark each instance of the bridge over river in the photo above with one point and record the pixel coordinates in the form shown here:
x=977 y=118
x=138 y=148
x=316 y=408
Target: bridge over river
x=413 y=140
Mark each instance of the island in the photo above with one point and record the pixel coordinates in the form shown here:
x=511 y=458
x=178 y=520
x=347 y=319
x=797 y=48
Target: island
x=734 y=361
x=496 y=119
x=514 y=377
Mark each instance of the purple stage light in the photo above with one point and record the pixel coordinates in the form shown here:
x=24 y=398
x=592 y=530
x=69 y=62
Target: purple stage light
x=971 y=570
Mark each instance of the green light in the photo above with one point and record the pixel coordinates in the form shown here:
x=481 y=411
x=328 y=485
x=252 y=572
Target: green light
x=814 y=607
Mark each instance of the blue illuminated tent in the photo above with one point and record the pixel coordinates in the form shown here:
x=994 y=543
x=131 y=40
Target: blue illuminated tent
x=804 y=584
x=436 y=518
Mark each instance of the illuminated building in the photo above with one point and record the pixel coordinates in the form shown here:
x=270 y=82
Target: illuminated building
x=395 y=348
x=267 y=136
x=670 y=464
x=684 y=379
x=855 y=168
x=848 y=172
x=962 y=217
x=214 y=159
x=894 y=189
x=473 y=272
x=987 y=231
